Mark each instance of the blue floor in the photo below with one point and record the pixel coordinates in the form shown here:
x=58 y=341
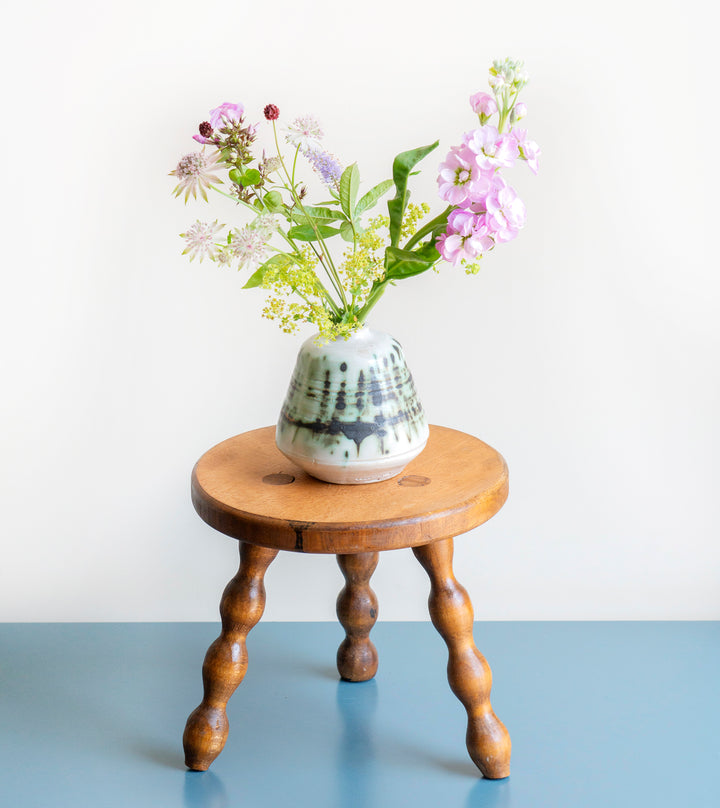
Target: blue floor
x=600 y=714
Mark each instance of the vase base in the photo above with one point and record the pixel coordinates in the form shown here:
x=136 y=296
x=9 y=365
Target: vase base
x=359 y=472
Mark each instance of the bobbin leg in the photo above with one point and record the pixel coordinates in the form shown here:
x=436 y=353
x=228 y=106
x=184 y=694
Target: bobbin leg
x=241 y=607
x=357 y=610
x=469 y=675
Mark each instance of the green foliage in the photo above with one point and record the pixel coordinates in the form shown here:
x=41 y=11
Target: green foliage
x=401 y=264
x=306 y=232
x=273 y=201
x=402 y=166
x=277 y=262
x=305 y=214
x=251 y=177
x=371 y=197
x=349 y=187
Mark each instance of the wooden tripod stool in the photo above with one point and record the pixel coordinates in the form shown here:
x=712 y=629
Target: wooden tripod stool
x=246 y=489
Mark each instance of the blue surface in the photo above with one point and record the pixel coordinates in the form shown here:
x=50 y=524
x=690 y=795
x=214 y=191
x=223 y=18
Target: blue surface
x=600 y=714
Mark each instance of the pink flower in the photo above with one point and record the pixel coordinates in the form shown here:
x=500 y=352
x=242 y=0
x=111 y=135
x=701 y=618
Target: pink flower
x=226 y=113
x=505 y=211
x=519 y=111
x=529 y=149
x=466 y=239
x=491 y=149
x=484 y=104
x=220 y=116
x=457 y=175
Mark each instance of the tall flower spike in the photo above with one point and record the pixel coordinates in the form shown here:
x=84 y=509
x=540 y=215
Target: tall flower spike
x=326 y=165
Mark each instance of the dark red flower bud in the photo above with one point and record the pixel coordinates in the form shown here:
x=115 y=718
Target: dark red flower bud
x=205 y=129
x=271 y=112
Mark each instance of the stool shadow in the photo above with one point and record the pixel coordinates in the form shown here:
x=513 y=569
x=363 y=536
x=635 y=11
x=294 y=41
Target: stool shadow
x=167 y=756
x=322 y=671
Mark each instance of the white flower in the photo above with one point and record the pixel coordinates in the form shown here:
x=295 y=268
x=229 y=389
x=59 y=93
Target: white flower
x=200 y=240
x=305 y=132
x=194 y=172
x=248 y=245
x=265 y=225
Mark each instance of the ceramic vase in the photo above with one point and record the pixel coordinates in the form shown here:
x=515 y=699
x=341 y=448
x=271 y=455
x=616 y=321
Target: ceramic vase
x=351 y=414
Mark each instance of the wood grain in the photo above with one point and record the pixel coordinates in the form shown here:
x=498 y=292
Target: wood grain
x=469 y=675
x=242 y=488
x=241 y=607
x=357 y=611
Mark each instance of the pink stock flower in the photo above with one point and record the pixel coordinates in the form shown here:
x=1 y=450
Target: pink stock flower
x=519 y=111
x=529 y=149
x=457 y=174
x=483 y=104
x=505 y=211
x=491 y=149
x=467 y=237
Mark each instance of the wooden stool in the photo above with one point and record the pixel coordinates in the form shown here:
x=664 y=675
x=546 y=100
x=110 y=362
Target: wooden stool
x=245 y=488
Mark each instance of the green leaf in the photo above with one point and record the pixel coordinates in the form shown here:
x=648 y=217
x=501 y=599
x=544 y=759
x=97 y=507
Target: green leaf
x=402 y=166
x=371 y=197
x=319 y=214
x=406 y=263
x=305 y=232
x=273 y=201
x=235 y=176
x=250 y=177
x=349 y=186
x=346 y=232
x=276 y=262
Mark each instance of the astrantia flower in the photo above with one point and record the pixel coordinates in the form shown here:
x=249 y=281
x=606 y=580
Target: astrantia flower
x=491 y=149
x=505 y=211
x=226 y=113
x=200 y=240
x=529 y=149
x=248 y=245
x=265 y=225
x=305 y=132
x=456 y=176
x=194 y=172
x=326 y=165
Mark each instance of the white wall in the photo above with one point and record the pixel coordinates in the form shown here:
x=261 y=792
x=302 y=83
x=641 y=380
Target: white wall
x=586 y=351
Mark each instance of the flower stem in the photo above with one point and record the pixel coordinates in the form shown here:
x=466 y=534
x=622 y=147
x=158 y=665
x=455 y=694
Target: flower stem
x=377 y=291
x=330 y=268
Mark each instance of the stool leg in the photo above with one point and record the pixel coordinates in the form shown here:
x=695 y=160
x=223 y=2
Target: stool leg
x=241 y=607
x=357 y=610
x=469 y=675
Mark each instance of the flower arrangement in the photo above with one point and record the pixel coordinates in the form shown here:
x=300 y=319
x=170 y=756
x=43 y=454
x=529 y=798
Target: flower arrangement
x=285 y=246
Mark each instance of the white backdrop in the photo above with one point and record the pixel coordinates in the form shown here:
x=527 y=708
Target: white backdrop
x=585 y=351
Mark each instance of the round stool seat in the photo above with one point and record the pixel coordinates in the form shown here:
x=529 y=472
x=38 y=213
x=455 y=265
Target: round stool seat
x=244 y=487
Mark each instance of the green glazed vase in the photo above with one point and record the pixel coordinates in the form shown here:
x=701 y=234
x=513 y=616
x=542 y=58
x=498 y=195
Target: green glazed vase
x=351 y=414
